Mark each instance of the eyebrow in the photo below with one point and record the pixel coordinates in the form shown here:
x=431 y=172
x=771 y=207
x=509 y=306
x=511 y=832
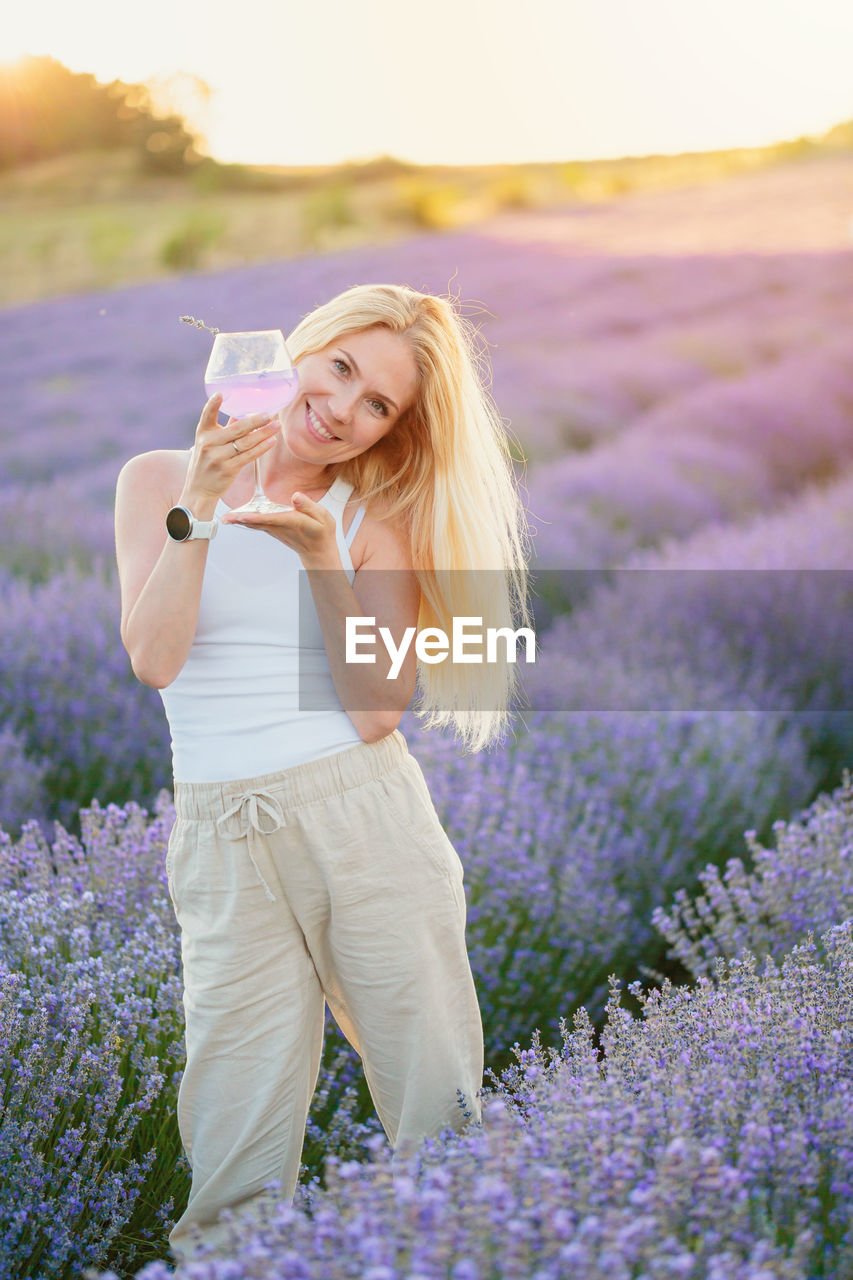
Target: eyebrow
x=358 y=375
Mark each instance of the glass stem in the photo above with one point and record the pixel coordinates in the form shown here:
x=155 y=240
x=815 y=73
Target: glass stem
x=259 y=493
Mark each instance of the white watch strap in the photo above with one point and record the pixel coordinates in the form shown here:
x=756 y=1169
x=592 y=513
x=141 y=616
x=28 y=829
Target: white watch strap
x=203 y=529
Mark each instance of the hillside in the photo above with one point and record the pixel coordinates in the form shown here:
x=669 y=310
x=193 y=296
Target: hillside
x=91 y=221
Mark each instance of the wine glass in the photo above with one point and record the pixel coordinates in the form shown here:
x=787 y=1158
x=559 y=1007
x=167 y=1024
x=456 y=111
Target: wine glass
x=255 y=374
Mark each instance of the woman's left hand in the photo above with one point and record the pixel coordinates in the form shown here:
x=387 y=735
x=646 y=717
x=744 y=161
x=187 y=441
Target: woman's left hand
x=309 y=530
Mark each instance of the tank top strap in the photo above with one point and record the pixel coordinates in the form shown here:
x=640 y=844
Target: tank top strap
x=336 y=498
x=356 y=521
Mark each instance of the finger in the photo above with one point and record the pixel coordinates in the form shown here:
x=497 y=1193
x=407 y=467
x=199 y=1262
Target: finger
x=242 y=426
x=246 y=449
x=236 y=427
x=210 y=412
x=309 y=507
x=242 y=443
x=247 y=436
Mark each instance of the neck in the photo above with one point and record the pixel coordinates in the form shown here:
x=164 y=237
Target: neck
x=280 y=482
x=280 y=476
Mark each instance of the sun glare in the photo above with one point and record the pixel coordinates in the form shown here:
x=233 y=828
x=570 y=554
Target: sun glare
x=568 y=80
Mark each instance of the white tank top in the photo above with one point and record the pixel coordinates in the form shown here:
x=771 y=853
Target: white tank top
x=233 y=709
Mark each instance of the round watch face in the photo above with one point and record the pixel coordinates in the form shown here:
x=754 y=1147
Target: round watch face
x=178 y=524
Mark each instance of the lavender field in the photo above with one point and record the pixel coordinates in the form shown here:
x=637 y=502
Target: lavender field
x=675 y=370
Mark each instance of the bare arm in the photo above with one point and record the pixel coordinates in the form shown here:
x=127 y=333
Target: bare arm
x=161 y=579
x=384 y=588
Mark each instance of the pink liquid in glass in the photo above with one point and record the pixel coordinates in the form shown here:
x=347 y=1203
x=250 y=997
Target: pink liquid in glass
x=263 y=392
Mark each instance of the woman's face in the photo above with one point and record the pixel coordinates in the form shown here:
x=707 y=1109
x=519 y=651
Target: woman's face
x=351 y=394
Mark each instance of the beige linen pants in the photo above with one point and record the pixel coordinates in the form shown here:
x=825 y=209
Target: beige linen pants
x=332 y=881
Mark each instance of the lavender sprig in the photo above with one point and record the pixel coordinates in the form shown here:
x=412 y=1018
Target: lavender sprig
x=199 y=324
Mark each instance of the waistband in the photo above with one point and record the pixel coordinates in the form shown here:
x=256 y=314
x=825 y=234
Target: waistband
x=300 y=784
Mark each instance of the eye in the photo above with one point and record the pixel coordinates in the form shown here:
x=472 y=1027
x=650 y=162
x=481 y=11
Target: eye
x=381 y=407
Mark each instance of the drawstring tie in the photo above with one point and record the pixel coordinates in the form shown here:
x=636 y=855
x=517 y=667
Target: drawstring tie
x=253 y=807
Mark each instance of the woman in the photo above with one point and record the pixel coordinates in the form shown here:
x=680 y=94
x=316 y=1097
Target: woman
x=307 y=863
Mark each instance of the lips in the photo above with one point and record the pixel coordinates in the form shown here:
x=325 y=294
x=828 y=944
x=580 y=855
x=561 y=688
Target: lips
x=317 y=426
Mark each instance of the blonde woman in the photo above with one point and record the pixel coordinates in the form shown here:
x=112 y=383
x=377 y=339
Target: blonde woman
x=307 y=864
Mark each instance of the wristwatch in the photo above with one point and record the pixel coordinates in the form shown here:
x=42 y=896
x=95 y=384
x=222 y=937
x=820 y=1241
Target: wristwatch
x=181 y=525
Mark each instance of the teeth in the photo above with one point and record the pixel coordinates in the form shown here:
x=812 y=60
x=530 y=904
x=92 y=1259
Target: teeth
x=321 y=430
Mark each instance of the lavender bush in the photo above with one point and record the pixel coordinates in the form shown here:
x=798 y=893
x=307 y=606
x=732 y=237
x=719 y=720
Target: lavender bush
x=753 y=618
x=562 y=871
x=92 y=1035
x=712 y=1138
x=21 y=781
x=803 y=883
x=726 y=449
x=570 y=836
x=67 y=1182
x=74 y=528
x=67 y=692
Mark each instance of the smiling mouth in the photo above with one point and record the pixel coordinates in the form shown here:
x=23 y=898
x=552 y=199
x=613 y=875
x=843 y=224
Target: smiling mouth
x=316 y=425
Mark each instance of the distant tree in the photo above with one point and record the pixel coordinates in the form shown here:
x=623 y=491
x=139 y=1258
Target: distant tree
x=47 y=110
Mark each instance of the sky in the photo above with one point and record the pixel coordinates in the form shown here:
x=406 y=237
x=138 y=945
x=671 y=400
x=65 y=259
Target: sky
x=467 y=81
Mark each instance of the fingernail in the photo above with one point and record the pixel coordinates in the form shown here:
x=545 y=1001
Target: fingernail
x=297 y=497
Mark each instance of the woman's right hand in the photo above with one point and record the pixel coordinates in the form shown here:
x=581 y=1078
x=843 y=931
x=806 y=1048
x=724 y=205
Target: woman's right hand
x=219 y=454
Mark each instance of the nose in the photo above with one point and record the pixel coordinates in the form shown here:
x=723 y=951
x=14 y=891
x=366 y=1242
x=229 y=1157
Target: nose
x=342 y=406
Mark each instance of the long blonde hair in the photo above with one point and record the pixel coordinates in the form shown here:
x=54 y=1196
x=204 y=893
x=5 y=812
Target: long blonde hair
x=445 y=472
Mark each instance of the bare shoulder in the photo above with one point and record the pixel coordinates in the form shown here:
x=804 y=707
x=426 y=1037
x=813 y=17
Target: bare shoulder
x=160 y=472
x=384 y=543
